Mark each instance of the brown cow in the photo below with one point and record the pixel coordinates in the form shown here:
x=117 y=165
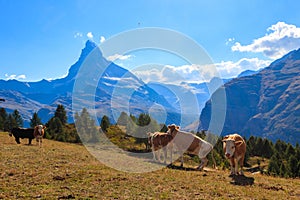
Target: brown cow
x=38 y=133
x=191 y=143
x=160 y=140
x=235 y=148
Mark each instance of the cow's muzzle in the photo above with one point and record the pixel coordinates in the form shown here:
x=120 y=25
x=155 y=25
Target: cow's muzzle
x=227 y=155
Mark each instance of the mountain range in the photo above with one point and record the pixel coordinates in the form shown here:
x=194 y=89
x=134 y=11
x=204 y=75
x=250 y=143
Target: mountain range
x=261 y=103
x=44 y=96
x=265 y=104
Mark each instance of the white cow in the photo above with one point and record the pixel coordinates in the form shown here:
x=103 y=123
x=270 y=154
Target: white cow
x=191 y=143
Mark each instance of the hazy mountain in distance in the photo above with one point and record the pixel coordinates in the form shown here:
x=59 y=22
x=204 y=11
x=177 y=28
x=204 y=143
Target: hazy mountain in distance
x=265 y=104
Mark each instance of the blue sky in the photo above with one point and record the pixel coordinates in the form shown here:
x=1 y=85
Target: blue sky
x=42 y=39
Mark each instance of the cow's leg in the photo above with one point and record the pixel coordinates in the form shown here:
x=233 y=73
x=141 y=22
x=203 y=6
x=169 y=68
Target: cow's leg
x=171 y=152
x=241 y=162
x=29 y=141
x=232 y=166
x=153 y=152
x=236 y=166
x=203 y=163
x=17 y=139
x=181 y=164
x=165 y=154
x=158 y=155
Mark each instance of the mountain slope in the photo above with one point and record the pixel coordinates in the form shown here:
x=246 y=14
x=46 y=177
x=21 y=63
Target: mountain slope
x=46 y=95
x=265 y=104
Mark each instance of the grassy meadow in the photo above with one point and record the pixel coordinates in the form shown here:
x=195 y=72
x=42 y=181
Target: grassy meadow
x=67 y=171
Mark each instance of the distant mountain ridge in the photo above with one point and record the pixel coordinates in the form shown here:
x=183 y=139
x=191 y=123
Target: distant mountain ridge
x=44 y=96
x=264 y=104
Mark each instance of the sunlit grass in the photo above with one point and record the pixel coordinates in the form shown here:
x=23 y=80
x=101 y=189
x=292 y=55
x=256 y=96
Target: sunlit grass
x=63 y=170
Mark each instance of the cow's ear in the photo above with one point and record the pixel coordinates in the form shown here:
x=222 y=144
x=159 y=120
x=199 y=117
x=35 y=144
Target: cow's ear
x=238 y=143
x=169 y=126
x=225 y=138
x=177 y=127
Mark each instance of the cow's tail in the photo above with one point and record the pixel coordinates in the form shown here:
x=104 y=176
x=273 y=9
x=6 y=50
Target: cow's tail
x=213 y=159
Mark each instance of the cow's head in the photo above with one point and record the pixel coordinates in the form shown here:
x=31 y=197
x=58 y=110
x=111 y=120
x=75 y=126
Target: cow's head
x=229 y=146
x=40 y=129
x=172 y=129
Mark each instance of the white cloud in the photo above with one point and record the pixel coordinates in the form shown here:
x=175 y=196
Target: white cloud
x=102 y=39
x=176 y=75
x=118 y=57
x=90 y=35
x=229 y=41
x=78 y=34
x=15 y=77
x=281 y=39
x=231 y=69
x=198 y=73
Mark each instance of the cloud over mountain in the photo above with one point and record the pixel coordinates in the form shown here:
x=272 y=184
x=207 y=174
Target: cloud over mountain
x=198 y=73
x=14 y=76
x=281 y=39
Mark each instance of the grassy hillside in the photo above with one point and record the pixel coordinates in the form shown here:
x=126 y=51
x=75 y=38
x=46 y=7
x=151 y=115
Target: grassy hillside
x=62 y=170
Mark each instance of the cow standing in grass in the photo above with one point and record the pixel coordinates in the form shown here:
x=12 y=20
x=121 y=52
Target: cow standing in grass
x=158 y=141
x=235 y=149
x=38 y=133
x=22 y=133
x=191 y=143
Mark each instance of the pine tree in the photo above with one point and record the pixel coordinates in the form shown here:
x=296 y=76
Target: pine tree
x=86 y=128
x=251 y=146
x=282 y=170
x=3 y=118
x=280 y=146
x=105 y=123
x=292 y=166
x=10 y=123
x=273 y=167
x=145 y=124
x=61 y=114
x=55 y=129
x=16 y=115
x=289 y=150
x=35 y=120
x=298 y=168
x=267 y=148
x=259 y=147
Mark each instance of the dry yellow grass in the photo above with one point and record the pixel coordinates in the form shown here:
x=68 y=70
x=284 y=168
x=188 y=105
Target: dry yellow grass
x=61 y=171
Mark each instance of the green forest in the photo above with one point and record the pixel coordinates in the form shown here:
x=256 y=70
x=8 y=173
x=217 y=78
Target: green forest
x=283 y=158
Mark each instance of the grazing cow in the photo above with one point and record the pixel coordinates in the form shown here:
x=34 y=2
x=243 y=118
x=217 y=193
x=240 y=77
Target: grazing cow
x=235 y=148
x=22 y=133
x=159 y=140
x=39 y=131
x=191 y=143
